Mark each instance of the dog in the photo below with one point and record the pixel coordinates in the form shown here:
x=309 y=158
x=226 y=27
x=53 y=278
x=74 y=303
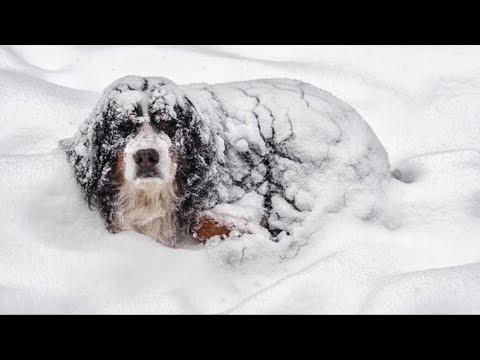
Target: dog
x=156 y=158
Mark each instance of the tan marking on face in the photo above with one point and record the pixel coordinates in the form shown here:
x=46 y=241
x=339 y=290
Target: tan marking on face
x=118 y=177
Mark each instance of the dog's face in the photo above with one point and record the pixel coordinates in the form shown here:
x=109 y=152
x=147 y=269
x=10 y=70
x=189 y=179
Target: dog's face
x=148 y=156
x=145 y=151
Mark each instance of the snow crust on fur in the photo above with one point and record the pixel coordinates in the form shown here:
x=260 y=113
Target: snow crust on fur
x=322 y=155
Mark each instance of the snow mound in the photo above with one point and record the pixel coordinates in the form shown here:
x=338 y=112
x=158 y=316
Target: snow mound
x=35 y=114
x=435 y=291
x=293 y=151
x=426 y=263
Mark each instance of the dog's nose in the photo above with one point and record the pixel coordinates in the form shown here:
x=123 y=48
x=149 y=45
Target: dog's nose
x=146 y=158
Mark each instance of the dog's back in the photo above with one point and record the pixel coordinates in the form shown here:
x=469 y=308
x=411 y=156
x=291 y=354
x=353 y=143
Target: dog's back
x=286 y=146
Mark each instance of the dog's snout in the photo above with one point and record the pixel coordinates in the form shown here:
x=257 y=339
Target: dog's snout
x=146 y=158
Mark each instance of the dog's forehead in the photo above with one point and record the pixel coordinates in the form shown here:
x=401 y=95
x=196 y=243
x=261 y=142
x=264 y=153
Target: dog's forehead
x=147 y=137
x=146 y=129
x=135 y=98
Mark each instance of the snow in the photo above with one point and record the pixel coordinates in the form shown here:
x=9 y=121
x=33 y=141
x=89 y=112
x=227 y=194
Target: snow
x=420 y=255
x=322 y=155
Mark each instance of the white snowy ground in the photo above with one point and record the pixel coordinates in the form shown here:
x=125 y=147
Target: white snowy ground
x=421 y=101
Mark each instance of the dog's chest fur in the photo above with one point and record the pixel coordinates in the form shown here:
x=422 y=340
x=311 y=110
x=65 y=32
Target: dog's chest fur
x=149 y=210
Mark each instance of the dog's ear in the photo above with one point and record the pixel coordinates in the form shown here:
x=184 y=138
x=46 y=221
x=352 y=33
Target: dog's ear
x=93 y=154
x=94 y=148
x=196 y=162
x=93 y=151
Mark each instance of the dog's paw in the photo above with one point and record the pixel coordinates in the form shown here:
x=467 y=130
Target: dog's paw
x=208 y=227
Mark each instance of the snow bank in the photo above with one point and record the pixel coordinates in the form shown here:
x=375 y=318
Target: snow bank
x=414 y=267
x=35 y=113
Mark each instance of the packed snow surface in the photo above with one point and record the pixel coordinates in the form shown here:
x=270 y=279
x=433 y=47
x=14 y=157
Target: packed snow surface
x=363 y=243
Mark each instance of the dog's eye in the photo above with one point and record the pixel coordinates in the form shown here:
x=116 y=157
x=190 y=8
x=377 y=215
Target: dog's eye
x=166 y=126
x=126 y=126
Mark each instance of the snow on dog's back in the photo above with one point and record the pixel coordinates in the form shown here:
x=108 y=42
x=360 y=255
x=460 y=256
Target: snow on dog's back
x=315 y=151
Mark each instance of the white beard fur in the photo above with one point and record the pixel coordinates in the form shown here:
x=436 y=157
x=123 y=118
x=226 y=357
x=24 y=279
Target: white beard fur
x=148 y=208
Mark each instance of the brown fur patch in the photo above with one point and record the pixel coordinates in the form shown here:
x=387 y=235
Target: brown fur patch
x=206 y=227
x=118 y=170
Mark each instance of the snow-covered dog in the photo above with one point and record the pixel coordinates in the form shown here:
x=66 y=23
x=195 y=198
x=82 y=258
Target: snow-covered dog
x=172 y=162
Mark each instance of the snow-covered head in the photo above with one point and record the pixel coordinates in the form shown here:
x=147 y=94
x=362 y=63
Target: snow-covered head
x=143 y=154
x=148 y=155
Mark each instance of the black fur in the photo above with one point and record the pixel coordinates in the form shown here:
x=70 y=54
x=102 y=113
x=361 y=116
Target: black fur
x=195 y=185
